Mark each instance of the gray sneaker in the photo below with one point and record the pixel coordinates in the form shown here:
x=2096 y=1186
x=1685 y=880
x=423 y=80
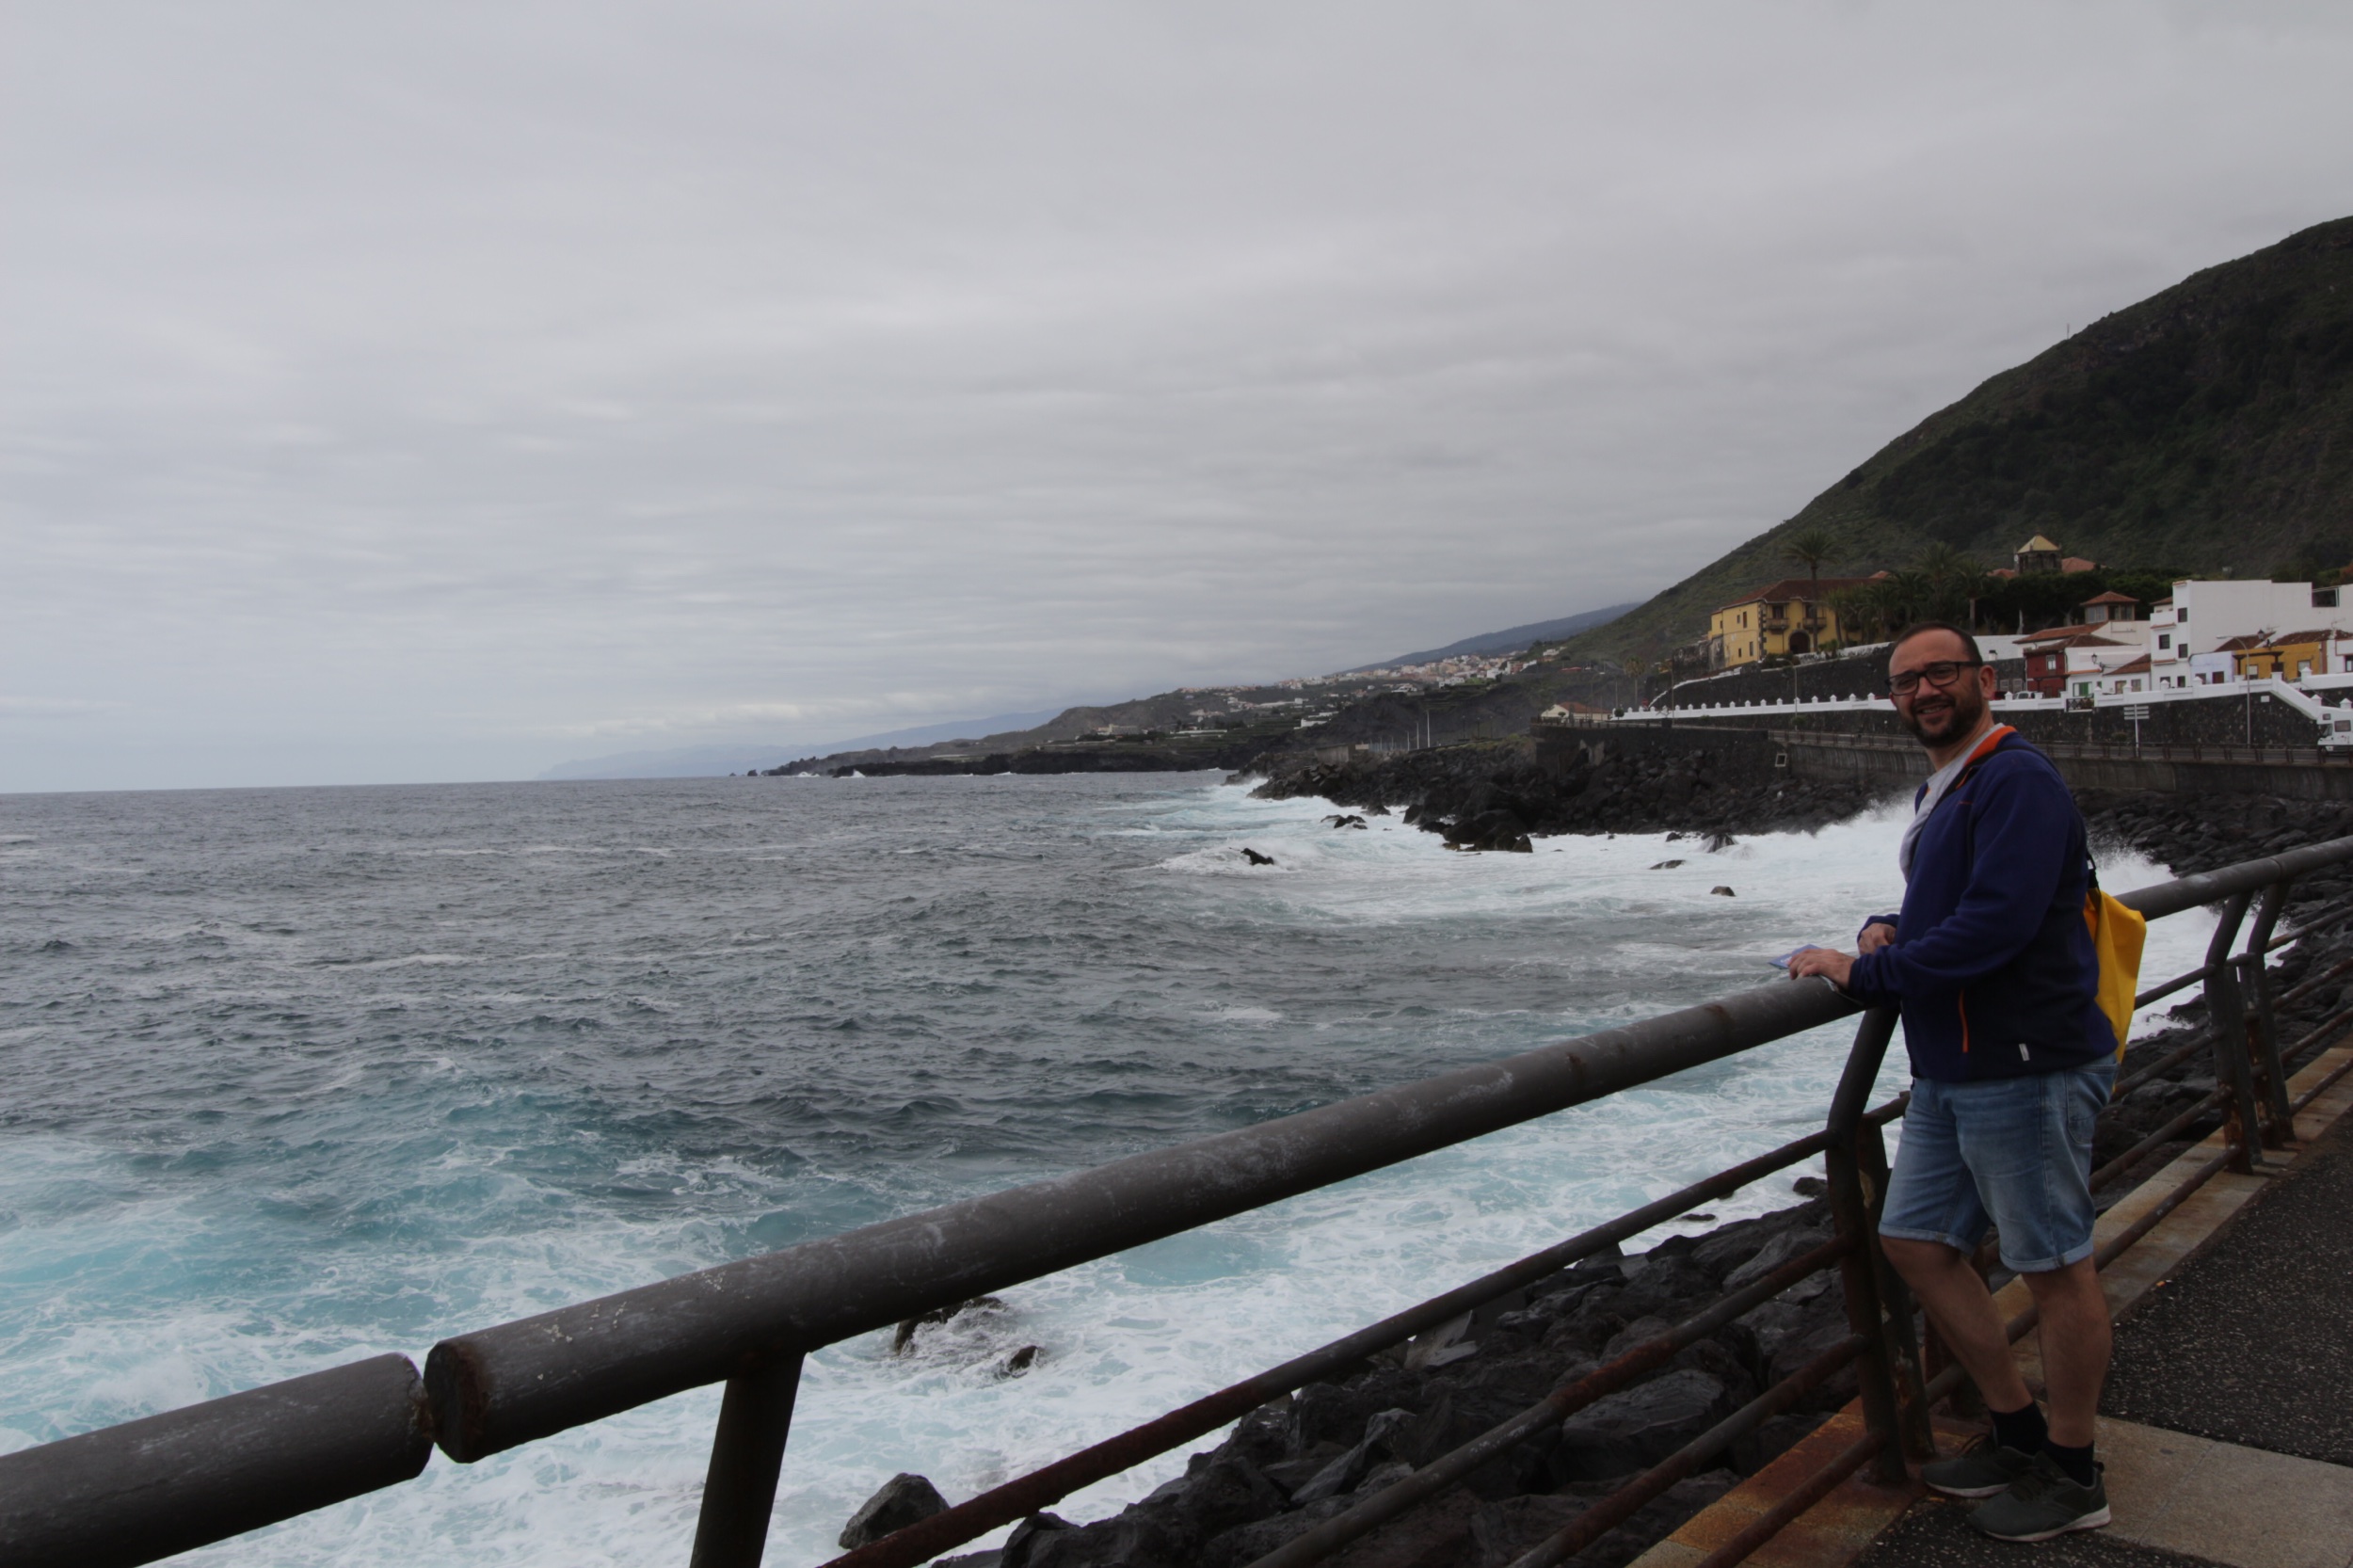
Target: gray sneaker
x=2043 y=1502
x=1979 y=1471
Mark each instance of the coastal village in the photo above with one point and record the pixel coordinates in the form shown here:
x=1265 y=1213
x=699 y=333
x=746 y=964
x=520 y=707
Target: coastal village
x=2202 y=635
x=2204 y=632
x=2062 y=631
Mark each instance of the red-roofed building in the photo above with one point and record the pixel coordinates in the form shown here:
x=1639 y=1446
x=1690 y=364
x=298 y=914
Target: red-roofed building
x=1793 y=615
x=2292 y=655
x=2039 y=557
x=2111 y=606
x=2051 y=659
x=2131 y=676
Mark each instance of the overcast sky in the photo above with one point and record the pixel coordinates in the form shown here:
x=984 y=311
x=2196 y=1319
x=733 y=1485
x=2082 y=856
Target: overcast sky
x=443 y=390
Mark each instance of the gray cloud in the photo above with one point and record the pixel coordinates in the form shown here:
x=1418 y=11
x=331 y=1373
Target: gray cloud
x=444 y=391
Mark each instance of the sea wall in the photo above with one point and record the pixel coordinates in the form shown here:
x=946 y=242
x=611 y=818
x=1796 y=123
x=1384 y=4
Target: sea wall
x=1828 y=678
x=2229 y=718
x=1890 y=763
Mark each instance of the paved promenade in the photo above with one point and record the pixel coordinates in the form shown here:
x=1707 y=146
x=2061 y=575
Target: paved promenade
x=2229 y=1416
x=2227 y=1426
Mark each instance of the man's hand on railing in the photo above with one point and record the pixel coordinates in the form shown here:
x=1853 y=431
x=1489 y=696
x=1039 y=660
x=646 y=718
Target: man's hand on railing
x=1829 y=963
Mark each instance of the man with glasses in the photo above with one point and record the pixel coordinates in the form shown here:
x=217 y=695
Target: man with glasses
x=1993 y=967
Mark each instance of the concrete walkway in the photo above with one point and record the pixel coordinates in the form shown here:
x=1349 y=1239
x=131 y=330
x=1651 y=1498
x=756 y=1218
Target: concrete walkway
x=2253 y=1343
x=2228 y=1421
x=2227 y=1429
x=2177 y=1499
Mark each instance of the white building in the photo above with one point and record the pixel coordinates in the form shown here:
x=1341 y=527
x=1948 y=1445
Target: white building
x=2096 y=668
x=2114 y=618
x=2207 y=669
x=2204 y=614
x=1997 y=648
x=2115 y=679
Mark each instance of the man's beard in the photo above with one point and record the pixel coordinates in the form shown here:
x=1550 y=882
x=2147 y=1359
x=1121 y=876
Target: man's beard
x=1944 y=725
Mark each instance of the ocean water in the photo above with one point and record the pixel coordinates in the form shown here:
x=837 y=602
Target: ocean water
x=294 y=1077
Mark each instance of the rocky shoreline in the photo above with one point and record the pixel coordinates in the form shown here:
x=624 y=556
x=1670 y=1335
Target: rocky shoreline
x=1304 y=1459
x=1059 y=760
x=1308 y=1457
x=1495 y=795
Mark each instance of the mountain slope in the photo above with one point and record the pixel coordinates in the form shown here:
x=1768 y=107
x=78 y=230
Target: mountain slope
x=2207 y=428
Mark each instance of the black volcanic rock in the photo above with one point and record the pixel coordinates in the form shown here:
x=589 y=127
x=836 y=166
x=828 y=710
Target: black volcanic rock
x=902 y=1500
x=1497 y=796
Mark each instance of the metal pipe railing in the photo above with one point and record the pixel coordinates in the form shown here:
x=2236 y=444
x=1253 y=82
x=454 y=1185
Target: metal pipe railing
x=2198 y=1041
x=1622 y=1505
x=1623 y=1371
x=167 y=1483
x=147 y=1489
x=2239 y=1136
x=2161 y=899
x=1002 y=1505
x=2226 y=1008
x=1823 y=1481
x=1855 y=1214
x=496 y=1387
x=2253 y=978
x=747 y=1454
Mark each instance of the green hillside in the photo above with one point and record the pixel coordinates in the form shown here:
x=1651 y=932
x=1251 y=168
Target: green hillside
x=2206 y=430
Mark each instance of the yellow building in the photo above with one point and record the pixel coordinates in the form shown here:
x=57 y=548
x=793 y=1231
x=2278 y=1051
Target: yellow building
x=2290 y=655
x=1792 y=616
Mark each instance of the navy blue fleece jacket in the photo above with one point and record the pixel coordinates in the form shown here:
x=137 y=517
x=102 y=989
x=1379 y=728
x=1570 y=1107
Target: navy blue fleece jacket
x=1992 y=964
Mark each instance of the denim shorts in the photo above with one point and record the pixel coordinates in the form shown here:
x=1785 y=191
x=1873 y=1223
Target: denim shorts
x=2014 y=1153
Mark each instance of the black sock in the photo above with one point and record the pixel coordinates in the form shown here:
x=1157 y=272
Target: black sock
x=2076 y=1462
x=2022 y=1428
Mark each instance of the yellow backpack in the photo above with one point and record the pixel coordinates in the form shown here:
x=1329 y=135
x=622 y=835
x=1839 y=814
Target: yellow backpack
x=2118 y=934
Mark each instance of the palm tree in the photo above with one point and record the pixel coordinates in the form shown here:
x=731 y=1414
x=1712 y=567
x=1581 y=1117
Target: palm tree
x=1852 y=607
x=1813 y=550
x=1637 y=670
x=1953 y=580
x=1908 y=596
x=1885 y=602
x=1941 y=563
x=1810 y=550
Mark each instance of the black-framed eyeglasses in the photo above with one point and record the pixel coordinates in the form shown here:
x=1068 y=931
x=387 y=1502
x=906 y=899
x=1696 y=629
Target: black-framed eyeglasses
x=1940 y=674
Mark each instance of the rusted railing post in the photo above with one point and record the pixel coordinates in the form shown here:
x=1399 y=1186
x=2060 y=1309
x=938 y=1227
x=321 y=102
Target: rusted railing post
x=1904 y=1337
x=2228 y=1010
x=740 y=1488
x=1852 y=1203
x=2263 y=1032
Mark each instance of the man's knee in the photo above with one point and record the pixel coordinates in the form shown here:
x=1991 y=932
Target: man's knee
x=2079 y=1278
x=1912 y=1259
